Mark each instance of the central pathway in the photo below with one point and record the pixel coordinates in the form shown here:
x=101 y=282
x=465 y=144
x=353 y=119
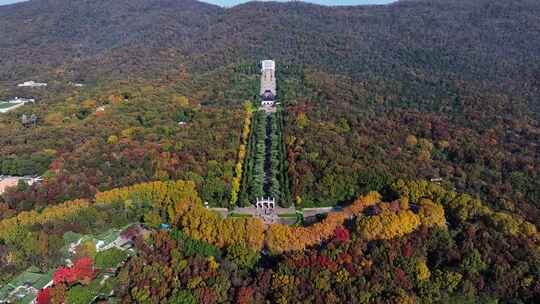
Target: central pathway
x=268 y=155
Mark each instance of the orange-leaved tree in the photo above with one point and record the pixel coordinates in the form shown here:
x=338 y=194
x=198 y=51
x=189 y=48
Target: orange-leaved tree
x=281 y=238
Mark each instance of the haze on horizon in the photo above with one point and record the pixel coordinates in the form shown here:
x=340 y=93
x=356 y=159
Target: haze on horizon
x=235 y=2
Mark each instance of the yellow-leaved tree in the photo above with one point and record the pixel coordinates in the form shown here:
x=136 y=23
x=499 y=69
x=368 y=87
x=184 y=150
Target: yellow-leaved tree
x=431 y=214
x=235 y=184
x=388 y=224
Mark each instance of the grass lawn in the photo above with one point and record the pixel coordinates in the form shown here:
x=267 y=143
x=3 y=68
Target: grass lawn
x=239 y=215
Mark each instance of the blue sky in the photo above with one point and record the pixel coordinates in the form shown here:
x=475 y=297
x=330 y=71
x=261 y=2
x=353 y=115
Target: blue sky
x=233 y=2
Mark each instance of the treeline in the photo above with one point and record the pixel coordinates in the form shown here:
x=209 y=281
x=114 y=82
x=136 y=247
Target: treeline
x=381 y=41
x=244 y=141
x=253 y=180
x=279 y=180
x=267 y=130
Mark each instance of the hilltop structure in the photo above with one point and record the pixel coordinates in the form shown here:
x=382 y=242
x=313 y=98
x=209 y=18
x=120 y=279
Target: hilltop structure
x=268 y=82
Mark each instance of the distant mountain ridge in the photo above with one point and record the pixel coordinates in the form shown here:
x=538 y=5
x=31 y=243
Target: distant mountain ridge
x=439 y=36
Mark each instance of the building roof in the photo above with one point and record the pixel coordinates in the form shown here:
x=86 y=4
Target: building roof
x=12 y=181
x=268 y=65
x=12 y=290
x=268 y=96
x=8 y=182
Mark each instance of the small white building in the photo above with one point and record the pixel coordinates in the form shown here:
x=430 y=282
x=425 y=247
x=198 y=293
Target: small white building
x=268 y=65
x=32 y=84
x=266 y=210
x=17 y=100
x=7 y=181
x=14 y=104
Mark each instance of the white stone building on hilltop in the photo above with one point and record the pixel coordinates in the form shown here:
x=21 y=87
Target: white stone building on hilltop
x=268 y=82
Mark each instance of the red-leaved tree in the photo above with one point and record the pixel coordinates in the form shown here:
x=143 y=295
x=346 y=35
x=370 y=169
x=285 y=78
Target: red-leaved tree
x=44 y=297
x=63 y=275
x=82 y=270
x=245 y=295
x=342 y=234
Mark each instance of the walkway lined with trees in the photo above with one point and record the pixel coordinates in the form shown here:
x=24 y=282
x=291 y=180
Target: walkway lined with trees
x=261 y=187
x=263 y=171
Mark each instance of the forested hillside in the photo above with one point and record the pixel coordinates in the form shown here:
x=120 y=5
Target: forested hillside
x=344 y=138
x=483 y=40
x=116 y=134
x=150 y=116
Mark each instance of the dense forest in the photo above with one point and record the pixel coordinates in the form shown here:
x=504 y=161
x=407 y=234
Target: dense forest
x=484 y=40
x=119 y=134
x=344 y=139
x=419 y=243
x=419 y=120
